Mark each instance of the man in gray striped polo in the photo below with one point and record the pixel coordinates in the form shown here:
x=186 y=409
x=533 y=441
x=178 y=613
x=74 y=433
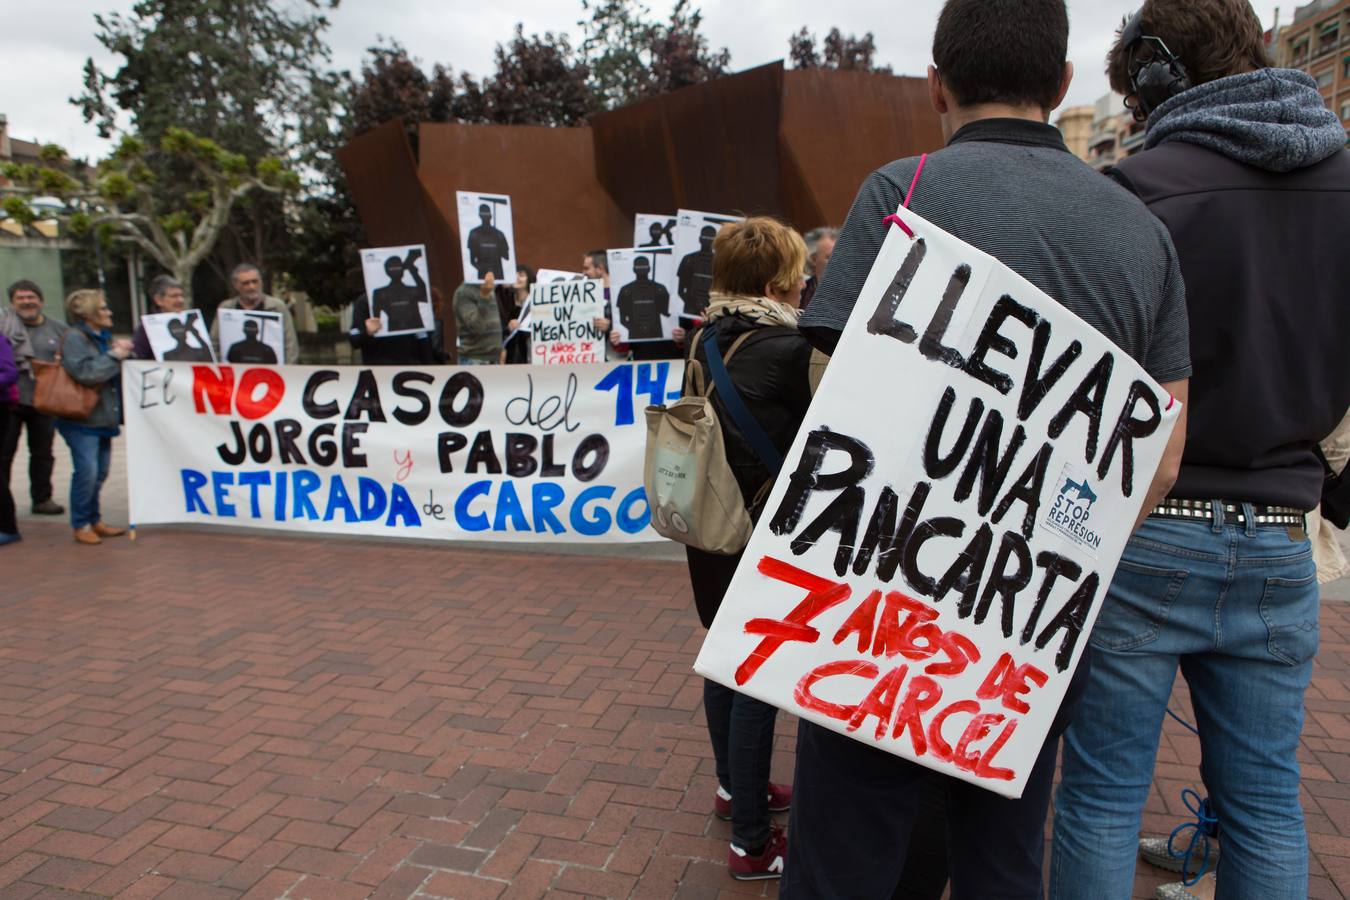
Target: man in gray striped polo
x=1005 y=183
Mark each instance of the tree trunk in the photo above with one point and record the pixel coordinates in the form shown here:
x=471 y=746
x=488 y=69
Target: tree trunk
x=183 y=272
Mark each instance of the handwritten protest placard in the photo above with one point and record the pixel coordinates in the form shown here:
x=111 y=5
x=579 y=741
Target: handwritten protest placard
x=946 y=524
x=510 y=453
x=561 y=321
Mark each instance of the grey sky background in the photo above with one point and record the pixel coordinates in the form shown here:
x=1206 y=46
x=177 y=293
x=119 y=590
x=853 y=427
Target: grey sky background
x=45 y=44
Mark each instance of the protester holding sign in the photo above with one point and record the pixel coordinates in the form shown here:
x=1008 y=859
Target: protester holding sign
x=1220 y=580
x=166 y=296
x=1007 y=185
x=478 y=323
x=246 y=279
x=407 y=349
x=756 y=285
x=94 y=359
x=511 y=302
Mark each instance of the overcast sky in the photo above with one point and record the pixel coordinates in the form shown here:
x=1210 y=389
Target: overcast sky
x=45 y=44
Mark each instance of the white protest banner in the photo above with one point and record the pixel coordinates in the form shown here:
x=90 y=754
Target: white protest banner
x=511 y=453
x=247 y=336
x=651 y=230
x=694 y=236
x=641 y=282
x=398 y=290
x=946 y=524
x=561 y=321
x=487 y=241
x=179 y=337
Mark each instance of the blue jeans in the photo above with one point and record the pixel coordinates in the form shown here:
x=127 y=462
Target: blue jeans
x=741 y=729
x=91 y=453
x=1236 y=608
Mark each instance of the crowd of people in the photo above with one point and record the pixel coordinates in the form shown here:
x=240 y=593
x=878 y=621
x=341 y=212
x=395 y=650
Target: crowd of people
x=89 y=356
x=1203 y=258
x=487 y=323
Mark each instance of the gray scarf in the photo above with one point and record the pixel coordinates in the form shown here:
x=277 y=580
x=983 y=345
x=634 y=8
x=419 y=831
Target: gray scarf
x=1273 y=119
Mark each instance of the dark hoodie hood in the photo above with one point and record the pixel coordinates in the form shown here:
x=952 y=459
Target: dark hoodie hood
x=1274 y=119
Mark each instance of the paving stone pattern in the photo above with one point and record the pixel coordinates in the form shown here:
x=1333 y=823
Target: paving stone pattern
x=199 y=715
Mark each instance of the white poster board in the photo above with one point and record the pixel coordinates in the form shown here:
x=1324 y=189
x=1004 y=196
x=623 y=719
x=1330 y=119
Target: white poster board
x=642 y=294
x=932 y=559
x=179 y=337
x=546 y=275
x=251 y=336
x=494 y=453
x=487 y=242
x=694 y=234
x=398 y=289
x=561 y=321
x=651 y=230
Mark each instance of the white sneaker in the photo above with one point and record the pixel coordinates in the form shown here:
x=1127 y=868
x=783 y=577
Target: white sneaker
x=1204 y=889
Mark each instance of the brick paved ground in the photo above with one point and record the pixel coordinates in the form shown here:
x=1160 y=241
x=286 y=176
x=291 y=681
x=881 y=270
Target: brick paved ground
x=204 y=715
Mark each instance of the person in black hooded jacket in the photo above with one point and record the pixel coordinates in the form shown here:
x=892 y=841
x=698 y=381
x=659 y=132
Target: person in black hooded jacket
x=758 y=275
x=1246 y=168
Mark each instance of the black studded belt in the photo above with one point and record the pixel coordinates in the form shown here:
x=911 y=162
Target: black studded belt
x=1233 y=513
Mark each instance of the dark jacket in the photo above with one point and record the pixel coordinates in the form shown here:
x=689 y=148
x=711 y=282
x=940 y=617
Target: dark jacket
x=399 y=350
x=9 y=374
x=770 y=372
x=1249 y=176
x=140 y=343
x=518 y=348
x=84 y=354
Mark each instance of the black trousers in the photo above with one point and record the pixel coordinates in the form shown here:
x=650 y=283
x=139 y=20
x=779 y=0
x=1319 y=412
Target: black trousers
x=41 y=435
x=741 y=729
x=9 y=523
x=855 y=810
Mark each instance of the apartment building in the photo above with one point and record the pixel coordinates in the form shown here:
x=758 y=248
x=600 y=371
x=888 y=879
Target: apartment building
x=1318 y=42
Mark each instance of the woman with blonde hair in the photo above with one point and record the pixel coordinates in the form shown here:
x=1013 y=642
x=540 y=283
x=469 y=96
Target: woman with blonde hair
x=91 y=356
x=758 y=273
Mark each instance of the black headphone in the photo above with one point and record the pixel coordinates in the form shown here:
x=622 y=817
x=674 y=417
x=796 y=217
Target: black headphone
x=1157 y=80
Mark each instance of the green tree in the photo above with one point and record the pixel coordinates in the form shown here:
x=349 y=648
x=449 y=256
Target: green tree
x=121 y=198
x=631 y=56
x=250 y=75
x=539 y=81
x=838 y=51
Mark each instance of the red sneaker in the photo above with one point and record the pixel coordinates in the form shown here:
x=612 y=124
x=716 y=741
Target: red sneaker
x=764 y=866
x=780 y=800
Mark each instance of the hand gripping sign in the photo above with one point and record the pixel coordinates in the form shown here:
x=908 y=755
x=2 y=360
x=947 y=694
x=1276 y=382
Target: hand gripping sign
x=949 y=517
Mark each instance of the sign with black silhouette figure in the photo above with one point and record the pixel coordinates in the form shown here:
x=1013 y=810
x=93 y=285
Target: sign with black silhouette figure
x=694 y=235
x=487 y=241
x=397 y=289
x=641 y=282
x=251 y=337
x=179 y=337
x=932 y=558
x=653 y=231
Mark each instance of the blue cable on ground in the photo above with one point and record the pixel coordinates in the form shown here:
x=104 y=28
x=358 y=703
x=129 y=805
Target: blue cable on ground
x=1205 y=826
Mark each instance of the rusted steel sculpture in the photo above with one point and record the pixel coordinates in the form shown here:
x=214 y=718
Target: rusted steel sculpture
x=795 y=144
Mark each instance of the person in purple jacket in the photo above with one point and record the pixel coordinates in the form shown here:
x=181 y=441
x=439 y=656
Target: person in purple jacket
x=9 y=398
